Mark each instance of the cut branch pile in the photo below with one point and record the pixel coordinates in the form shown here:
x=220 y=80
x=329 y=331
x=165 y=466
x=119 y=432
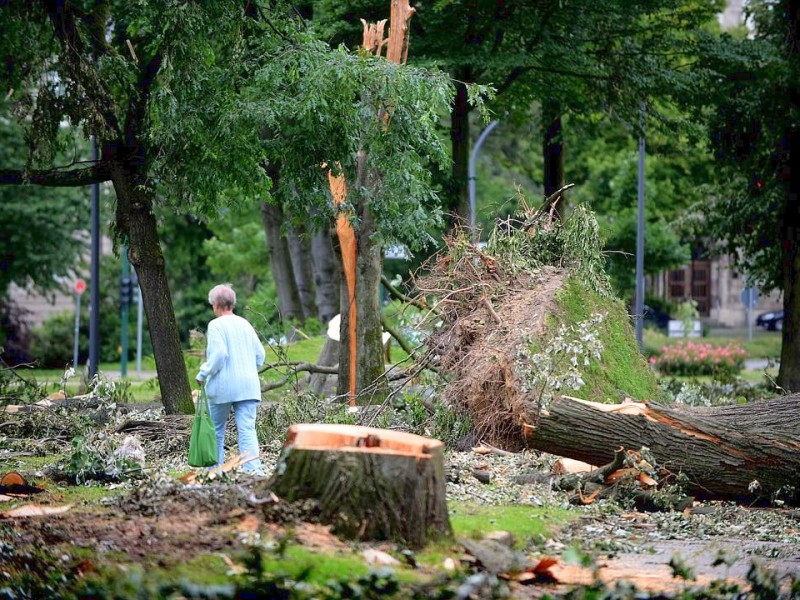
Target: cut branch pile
x=631 y=477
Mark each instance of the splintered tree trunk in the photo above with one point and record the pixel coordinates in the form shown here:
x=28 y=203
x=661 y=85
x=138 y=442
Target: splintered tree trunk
x=370 y=484
x=743 y=452
x=370 y=378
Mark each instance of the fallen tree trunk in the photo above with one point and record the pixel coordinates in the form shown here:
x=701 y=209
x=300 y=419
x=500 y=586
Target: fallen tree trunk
x=369 y=484
x=746 y=452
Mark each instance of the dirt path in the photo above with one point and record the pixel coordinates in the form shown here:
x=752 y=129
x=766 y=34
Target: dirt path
x=651 y=571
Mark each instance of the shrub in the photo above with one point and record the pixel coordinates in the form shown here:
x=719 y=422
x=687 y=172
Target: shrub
x=688 y=358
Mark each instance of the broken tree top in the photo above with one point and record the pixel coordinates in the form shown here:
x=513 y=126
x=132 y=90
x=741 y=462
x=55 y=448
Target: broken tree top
x=355 y=438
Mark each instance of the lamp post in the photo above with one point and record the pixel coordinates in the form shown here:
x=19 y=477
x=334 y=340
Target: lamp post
x=639 y=308
x=471 y=176
x=94 y=299
x=124 y=311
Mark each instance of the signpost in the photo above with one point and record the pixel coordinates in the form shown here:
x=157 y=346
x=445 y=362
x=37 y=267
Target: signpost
x=750 y=300
x=78 y=288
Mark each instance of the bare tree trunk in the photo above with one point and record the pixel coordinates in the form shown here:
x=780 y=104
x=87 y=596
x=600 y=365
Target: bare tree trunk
x=328 y=357
x=281 y=263
x=135 y=216
x=300 y=252
x=327 y=275
x=740 y=452
x=553 y=152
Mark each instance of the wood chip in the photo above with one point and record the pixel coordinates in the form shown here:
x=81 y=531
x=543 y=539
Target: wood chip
x=34 y=510
x=380 y=558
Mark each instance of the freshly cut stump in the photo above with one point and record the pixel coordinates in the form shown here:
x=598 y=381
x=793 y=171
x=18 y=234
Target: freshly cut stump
x=369 y=483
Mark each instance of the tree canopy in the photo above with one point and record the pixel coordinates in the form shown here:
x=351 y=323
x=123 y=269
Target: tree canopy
x=191 y=103
x=41 y=230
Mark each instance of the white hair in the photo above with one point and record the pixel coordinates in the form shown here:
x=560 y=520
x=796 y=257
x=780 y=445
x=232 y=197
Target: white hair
x=222 y=296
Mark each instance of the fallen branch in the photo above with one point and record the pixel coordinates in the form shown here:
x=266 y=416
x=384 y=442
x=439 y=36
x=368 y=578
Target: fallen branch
x=396 y=335
x=300 y=366
x=398 y=295
x=488 y=304
x=156 y=430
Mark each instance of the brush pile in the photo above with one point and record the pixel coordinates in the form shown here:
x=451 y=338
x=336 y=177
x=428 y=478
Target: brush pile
x=493 y=307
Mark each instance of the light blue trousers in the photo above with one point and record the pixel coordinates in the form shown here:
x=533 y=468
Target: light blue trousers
x=245 y=414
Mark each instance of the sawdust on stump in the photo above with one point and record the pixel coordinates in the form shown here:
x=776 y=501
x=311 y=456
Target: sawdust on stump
x=485 y=323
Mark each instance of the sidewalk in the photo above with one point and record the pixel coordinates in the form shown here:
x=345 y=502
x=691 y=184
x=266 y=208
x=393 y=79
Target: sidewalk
x=760 y=364
x=132 y=375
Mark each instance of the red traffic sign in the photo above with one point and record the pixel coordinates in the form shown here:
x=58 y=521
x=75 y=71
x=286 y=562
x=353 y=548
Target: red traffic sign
x=80 y=286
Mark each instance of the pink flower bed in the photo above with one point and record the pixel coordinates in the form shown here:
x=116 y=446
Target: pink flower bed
x=692 y=358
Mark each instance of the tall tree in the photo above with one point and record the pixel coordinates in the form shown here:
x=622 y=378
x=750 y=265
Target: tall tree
x=386 y=164
x=564 y=56
x=156 y=84
x=604 y=170
x=754 y=87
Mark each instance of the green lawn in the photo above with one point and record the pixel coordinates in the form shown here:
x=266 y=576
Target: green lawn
x=145 y=389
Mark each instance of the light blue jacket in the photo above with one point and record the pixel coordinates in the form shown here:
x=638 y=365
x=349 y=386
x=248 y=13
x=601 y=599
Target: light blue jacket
x=233 y=355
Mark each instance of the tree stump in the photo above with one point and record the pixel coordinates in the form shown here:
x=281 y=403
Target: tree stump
x=369 y=483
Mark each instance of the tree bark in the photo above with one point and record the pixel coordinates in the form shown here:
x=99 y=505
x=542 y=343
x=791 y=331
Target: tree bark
x=722 y=450
x=370 y=484
x=327 y=275
x=281 y=263
x=300 y=253
x=135 y=217
x=553 y=152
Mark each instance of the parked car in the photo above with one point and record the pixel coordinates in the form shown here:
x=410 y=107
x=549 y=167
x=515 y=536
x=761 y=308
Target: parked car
x=655 y=317
x=771 y=321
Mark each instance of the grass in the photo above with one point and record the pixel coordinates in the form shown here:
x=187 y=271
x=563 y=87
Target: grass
x=525 y=522
x=145 y=389
x=320 y=567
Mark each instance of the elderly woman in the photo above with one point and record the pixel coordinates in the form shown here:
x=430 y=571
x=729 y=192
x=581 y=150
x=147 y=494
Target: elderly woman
x=230 y=373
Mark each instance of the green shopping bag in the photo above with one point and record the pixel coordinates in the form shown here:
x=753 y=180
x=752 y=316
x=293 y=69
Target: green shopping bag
x=203 y=444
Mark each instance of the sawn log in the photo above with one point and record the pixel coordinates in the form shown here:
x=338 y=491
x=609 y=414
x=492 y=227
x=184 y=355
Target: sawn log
x=745 y=452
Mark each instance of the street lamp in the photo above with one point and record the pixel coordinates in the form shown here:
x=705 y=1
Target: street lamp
x=639 y=308
x=471 y=176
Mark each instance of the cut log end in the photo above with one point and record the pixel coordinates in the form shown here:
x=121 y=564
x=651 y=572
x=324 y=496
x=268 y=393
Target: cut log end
x=369 y=483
